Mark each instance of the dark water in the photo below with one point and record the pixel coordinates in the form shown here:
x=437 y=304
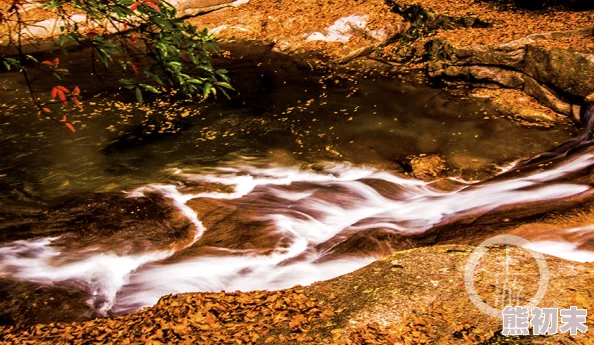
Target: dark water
x=283 y=106
x=299 y=177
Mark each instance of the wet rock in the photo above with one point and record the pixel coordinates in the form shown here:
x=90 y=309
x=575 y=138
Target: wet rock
x=575 y=112
x=488 y=74
x=108 y=219
x=412 y=294
x=233 y=226
x=518 y=106
x=379 y=242
x=25 y=303
x=426 y=166
x=192 y=187
x=587 y=246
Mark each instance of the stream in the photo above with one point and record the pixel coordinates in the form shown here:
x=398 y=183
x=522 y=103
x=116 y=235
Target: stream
x=300 y=177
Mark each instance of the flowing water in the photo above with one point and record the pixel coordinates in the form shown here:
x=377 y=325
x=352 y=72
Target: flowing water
x=297 y=179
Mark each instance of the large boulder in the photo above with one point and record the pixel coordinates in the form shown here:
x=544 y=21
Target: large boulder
x=569 y=72
x=557 y=78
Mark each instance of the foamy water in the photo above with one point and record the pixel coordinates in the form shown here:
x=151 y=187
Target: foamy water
x=305 y=208
x=567 y=246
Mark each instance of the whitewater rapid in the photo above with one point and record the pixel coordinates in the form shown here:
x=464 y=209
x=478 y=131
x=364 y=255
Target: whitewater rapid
x=304 y=207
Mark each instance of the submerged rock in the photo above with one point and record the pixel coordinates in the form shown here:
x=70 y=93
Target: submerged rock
x=26 y=303
x=425 y=167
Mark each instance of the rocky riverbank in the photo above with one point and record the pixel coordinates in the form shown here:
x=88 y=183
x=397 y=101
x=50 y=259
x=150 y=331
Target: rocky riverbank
x=396 y=300
x=534 y=65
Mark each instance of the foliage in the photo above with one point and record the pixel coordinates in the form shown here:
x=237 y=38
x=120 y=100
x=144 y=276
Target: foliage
x=158 y=51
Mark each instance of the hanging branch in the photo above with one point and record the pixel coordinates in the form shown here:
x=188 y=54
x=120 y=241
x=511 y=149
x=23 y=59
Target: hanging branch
x=144 y=36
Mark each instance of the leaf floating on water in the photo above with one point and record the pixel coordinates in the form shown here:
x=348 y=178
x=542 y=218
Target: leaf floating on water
x=71 y=127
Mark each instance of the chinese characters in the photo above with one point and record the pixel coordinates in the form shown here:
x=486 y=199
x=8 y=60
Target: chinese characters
x=545 y=321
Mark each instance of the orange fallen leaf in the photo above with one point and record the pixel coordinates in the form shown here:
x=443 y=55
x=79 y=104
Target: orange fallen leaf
x=71 y=127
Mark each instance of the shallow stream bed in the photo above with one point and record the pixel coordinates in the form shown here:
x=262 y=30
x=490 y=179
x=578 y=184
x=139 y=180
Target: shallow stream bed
x=304 y=175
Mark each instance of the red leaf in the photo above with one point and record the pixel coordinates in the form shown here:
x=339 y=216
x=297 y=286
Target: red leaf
x=134 y=6
x=134 y=69
x=56 y=61
x=133 y=38
x=47 y=63
x=62 y=88
x=77 y=103
x=153 y=6
x=76 y=91
x=71 y=127
x=61 y=96
x=54 y=92
x=39 y=113
x=125 y=27
x=46 y=110
x=64 y=118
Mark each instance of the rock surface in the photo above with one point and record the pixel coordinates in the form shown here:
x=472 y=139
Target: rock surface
x=426 y=167
x=539 y=64
x=550 y=58
x=555 y=77
x=546 y=55
x=398 y=299
x=126 y=225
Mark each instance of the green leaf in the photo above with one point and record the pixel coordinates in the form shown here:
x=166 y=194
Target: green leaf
x=225 y=85
x=32 y=58
x=177 y=53
x=62 y=39
x=175 y=64
x=207 y=68
x=139 y=96
x=225 y=93
x=195 y=81
x=192 y=57
x=150 y=88
x=127 y=82
x=207 y=90
x=154 y=77
x=52 y=4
